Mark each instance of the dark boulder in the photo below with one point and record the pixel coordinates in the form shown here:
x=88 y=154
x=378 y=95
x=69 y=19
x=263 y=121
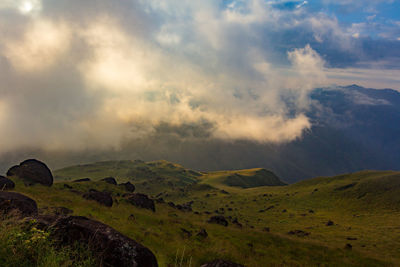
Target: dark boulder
x=128 y=187
x=103 y=198
x=218 y=220
x=221 y=263
x=110 y=247
x=329 y=223
x=13 y=171
x=237 y=223
x=141 y=201
x=160 y=200
x=67 y=186
x=186 y=233
x=348 y=246
x=81 y=180
x=32 y=171
x=109 y=180
x=299 y=233
x=11 y=202
x=186 y=207
x=203 y=233
x=6 y=184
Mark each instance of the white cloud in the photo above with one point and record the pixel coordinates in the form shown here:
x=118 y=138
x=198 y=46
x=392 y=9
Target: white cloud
x=78 y=83
x=26 y=7
x=39 y=47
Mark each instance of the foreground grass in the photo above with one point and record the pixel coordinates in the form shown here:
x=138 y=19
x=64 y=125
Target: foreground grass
x=162 y=231
x=22 y=244
x=364 y=208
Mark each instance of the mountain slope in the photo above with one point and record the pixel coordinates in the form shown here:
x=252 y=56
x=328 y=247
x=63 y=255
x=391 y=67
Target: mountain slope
x=249 y=178
x=306 y=224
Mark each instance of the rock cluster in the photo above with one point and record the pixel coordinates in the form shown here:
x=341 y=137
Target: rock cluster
x=141 y=201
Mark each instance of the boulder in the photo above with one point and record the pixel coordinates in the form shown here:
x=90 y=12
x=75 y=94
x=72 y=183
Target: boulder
x=128 y=187
x=109 y=180
x=6 y=184
x=185 y=233
x=160 y=200
x=141 y=201
x=299 y=233
x=218 y=220
x=104 y=198
x=202 y=233
x=22 y=206
x=67 y=186
x=221 y=263
x=32 y=171
x=237 y=223
x=81 y=180
x=13 y=171
x=109 y=246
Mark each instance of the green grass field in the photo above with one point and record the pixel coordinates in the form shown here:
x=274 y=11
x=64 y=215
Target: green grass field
x=364 y=208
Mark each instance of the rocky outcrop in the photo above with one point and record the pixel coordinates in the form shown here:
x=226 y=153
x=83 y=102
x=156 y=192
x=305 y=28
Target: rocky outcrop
x=81 y=180
x=32 y=171
x=128 y=187
x=299 y=233
x=187 y=207
x=141 y=201
x=103 y=198
x=6 y=184
x=109 y=180
x=109 y=246
x=16 y=204
x=222 y=263
x=218 y=220
x=202 y=233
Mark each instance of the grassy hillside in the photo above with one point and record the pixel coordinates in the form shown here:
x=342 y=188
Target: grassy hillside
x=149 y=177
x=242 y=178
x=363 y=208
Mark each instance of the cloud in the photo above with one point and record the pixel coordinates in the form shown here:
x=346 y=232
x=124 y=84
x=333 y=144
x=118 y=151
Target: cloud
x=87 y=75
x=40 y=46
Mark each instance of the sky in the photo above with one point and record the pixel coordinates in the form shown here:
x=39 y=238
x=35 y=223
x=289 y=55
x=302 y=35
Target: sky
x=78 y=75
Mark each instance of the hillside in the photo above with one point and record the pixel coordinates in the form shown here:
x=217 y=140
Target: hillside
x=307 y=223
x=158 y=176
x=249 y=178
